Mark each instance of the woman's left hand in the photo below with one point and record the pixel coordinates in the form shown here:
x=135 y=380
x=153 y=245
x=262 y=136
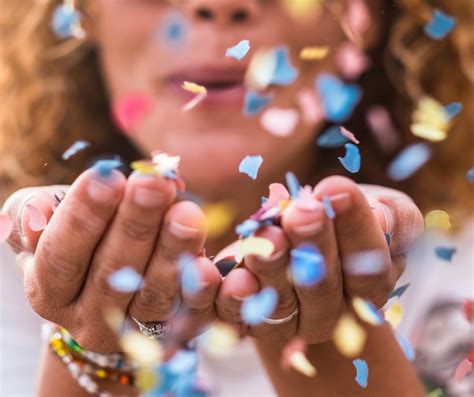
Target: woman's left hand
x=364 y=214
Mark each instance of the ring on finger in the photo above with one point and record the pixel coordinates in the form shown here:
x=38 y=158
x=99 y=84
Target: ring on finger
x=284 y=320
x=154 y=330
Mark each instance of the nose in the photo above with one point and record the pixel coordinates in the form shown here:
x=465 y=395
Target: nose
x=223 y=12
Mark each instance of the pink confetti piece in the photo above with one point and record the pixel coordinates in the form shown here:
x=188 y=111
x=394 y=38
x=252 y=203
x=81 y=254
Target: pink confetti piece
x=37 y=221
x=358 y=17
x=351 y=61
x=130 y=109
x=349 y=135
x=382 y=128
x=278 y=192
x=279 y=122
x=305 y=199
x=194 y=102
x=462 y=370
x=6 y=227
x=311 y=108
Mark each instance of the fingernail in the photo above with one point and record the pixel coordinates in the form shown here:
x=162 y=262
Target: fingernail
x=37 y=219
x=22 y=212
x=340 y=202
x=309 y=230
x=241 y=298
x=181 y=231
x=389 y=220
x=147 y=198
x=101 y=191
x=274 y=257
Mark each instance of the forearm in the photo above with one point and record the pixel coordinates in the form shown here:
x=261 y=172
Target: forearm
x=390 y=373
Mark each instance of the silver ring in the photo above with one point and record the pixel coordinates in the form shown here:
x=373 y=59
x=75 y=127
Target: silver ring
x=284 y=320
x=154 y=330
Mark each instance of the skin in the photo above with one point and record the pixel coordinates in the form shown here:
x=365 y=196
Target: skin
x=108 y=223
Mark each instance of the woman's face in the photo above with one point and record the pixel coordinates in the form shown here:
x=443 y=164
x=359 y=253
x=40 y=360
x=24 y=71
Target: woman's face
x=215 y=136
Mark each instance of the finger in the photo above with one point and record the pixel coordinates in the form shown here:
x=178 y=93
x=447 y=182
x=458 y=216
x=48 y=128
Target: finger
x=322 y=303
x=67 y=244
x=358 y=231
x=273 y=272
x=184 y=231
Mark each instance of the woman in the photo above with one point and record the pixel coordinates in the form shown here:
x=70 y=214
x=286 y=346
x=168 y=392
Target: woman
x=62 y=91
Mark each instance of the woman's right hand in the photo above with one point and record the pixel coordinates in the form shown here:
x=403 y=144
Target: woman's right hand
x=102 y=225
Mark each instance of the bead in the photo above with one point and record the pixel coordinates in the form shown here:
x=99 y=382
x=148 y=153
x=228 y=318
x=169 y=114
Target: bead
x=101 y=373
x=123 y=379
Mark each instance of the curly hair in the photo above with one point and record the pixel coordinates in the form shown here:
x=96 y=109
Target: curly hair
x=53 y=94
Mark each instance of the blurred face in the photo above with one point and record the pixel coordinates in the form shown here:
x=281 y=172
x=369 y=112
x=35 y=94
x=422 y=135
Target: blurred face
x=138 y=57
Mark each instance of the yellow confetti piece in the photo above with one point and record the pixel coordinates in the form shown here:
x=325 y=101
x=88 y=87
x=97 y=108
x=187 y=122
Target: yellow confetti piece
x=300 y=363
x=436 y=393
x=144 y=350
x=219 y=339
x=394 y=314
x=301 y=8
x=193 y=87
x=365 y=312
x=437 y=219
x=349 y=336
x=283 y=204
x=314 y=53
x=146 y=379
x=256 y=246
x=143 y=167
x=219 y=218
x=430 y=120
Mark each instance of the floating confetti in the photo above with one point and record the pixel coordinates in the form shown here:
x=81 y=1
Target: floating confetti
x=255 y=103
x=173 y=30
x=307 y=265
x=463 y=368
x=366 y=262
x=439 y=25
x=358 y=17
x=453 y=109
x=410 y=160
x=301 y=8
x=437 y=219
x=470 y=175
x=362 y=372
x=75 y=148
x=195 y=101
x=367 y=311
x=190 y=279
x=161 y=164
x=250 y=166
x=278 y=193
x=314 y=53
x=394 y=314
x=351 y=61
x=293 y=184
x=331 y=138
x=445 y=253
x=259 y=306
x=6 y=227
x=256 y=246
x=330 y=213
x=311 y=108
x=339 y=99
x=66 y=22
x=142 y=349
x=279 y=121
x=306 y=200
x=260 y=70
x=284 y=73
x=381 y=125
x=351 y=161
x=239 y=51
x=247 y=227
x=469 y=310
x=125 y=280
x=398 y=292
x=219 y=339
x=130 y=109
x=37 y=219
x=219 y=218
x=293 y=355
x=105 y=167
x=406 y=347
x=349 y=135
x=349 y=337
x=430 y=121
x=193 y=87
x=300 y=363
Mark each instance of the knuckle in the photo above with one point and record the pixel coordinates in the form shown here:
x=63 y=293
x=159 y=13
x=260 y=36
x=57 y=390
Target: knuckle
x=137 y=230
x=101 y=272
x=154 y=299
x=85 y=219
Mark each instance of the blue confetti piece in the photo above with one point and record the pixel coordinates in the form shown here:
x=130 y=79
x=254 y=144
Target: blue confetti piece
x=293 y=184
x=190 y=280
x=260 y=306
x=188 y=386
x=330 y=213
x=307 y=265
x=440 y=25
x=406 y=347
x=247 y=227
x=351 y=161
x=453 y=109
x=173 y=30
x=255 y=103
x=239 y=51
x=331 y=138
x=284 y=73
x=470 y=175
x=125 y=280
x=250 y=166
x=410 y=160
x=445 y=253
x=398 y=292
x=75 y=148
x=388 y=238
x=339 y=99
x=65 y=18
x=362 y=372
x=184 y=361
x=105 y=167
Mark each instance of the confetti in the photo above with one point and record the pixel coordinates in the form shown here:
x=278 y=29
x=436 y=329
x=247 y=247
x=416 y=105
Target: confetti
x=259 y=306
x=105 y=167
x=284 y=73
x=190 y=279
x=300 y=363
x=331 y=138
x=142 y=349
x=311 y=108
x=255 y=103
x=219 y=339
x=463 y=368
x=293 y=184
x=330 y=213
x=367 y=311
x=315 y=53
x=406 y=347
x=37 y=219
x=398 y=292
x=445 y=253
x=469 y=310
x=351 y=161
x=307 y=265
x=130 y=109
x=6 y=227
x=381 y=125
x=173 y=30
x=219 y=217
x=349 y=337
x=293 y=355
x=301 y=8
x=366 y=262
x=161 y=164
x=256 y=246
x=260 y=70
x=193 y=87
x=66 y=22
x=278 y=193
x=351 y=61
x=430 y=121
x=239 y=51
x=250 y=166
x=437 y=219
x=410 y=160
x=470 y=175
x=439 y=25
x=394 y=314
x=339 y=99
x=349 y=135
x=74 y=149
x=247 y=227
x=194 y=102
x=362 y=372
x=279 y=121
x=358 y=17
x=453 y=109
x=306 y=200
x=125 y=280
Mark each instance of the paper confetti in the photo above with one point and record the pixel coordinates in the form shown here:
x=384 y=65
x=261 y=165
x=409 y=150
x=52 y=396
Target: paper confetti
x=430 y=121
x=284 y=73
x=349 y=135
x=260 y=306
x=255 y=103
x=469 y=313
x=301 y=9
x=439 y=25
x=398 y=292
x=260 y=70
x=300 y=363
x=105 y=167
x=239 y=51
x=339 y=99
x=142 y=349
x=310 y=106
x=256 y=246
x=470 y=175
x=453 y=109
x=219 y=339
x=125 y=280
x=330 y=213
x=366 y=262
x=6 y=227
x=349 y=337
x=194 y=102
x=307 y=265
x=293 y=184
x=293 y=356
x=315 y=53
x=367 y=311
x=331 y=138
x=172 y=32
x=437 y=219
x=130 y=109
x=351 y=61
x=351 y=161
x=445 y=253
x=394 y=314
x=250 y=166
x=190 y=279
x=381 y=126
x=279 y=121
x=410 y=160
x=66 y=22
x=358 y=17
x=406 y=347
x=74 y=149
x=193 y=87
x=362 y=372
x=219 y=217
x=37 y=219
x=247 y=227
x=463 y=368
